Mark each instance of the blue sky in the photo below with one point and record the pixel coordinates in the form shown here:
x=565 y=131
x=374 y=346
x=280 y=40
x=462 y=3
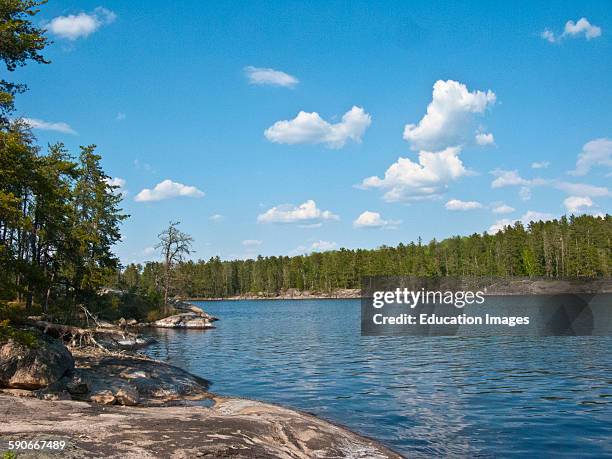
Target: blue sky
x=205 y=99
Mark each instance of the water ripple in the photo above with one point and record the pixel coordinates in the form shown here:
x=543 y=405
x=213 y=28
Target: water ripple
x=443 y=396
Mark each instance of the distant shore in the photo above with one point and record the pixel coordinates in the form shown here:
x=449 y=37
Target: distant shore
x=291 y=294
x=500 y=287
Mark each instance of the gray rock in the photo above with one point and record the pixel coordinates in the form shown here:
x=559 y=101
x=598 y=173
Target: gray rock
x=77 y=386
x=184 y=320
x=187 y=307
x=115 y=339
x=23 y=367
x=110 y=291
x=63 y=395
x=231 y=428
x=153 y=382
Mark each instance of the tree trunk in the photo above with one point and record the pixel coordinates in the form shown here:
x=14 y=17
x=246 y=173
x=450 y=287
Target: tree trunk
x=166 y=287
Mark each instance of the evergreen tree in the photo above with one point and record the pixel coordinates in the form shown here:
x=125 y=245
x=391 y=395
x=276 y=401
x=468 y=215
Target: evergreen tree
x=540 y=249
x=96 y=221
x=20 y=42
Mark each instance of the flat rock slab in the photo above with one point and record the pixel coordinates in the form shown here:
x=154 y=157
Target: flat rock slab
x=131 y=380
x=234 y=428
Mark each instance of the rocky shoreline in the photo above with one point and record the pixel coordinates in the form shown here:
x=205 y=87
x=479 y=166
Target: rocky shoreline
x=130 y=406
x=498 y=287
x=232 y=427
x=103 y=401
x=291 y=294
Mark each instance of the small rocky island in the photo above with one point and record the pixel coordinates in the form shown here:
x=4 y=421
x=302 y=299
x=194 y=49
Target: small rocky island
x=89 y=388
x=189 y=316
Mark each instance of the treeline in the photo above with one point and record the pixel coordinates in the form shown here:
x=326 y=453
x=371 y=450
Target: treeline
x=574 y=247
x=59 y=217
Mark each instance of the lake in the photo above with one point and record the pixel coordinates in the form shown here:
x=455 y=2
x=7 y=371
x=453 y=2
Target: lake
x=422 y=396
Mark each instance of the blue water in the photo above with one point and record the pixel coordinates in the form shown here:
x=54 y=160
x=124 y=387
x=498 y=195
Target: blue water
x=450 y=396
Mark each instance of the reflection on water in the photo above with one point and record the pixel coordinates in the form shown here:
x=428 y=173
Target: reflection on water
x=497 y=396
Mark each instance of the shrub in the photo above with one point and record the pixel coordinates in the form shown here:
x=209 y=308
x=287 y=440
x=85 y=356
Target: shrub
x=159 y=313
x=113 y=306
x=25 y=337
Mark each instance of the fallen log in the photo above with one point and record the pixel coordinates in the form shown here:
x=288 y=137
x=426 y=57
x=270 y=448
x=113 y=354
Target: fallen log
x=103 y=338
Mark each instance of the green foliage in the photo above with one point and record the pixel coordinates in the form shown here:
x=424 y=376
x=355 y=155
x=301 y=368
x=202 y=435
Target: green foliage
x=575 y=247
x=128 y=305
x=96 y=223
x=25 y=337
x=9 y=455
x=159 y=313
x=59 y=219
x=529 y=262
x=20 y=41
x=12 y=312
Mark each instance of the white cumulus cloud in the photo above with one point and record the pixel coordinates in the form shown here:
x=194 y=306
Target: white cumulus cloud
x=535 y=216
x=216 y=218
x=507 y=178
x=270 y=77
x=597 y=152
x=499 y=225
x=483 y=139
x=449 y=118
x=548 y=35
x=369 y=219
x=456 y=204
x=406 y=180
x=312 y=129
x=323 y=246
x=167 y=190
x=512 y=178
x=528 y=217
x=317 y=246
x=59 y=126
x=75 y=26
x=576 y=204
x=502 y=208
x=540 y=164
x=307 y=214
x=581 y=28
x=582 y=189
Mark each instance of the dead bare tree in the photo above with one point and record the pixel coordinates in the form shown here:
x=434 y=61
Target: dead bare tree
x=175 y=246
